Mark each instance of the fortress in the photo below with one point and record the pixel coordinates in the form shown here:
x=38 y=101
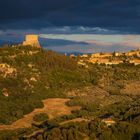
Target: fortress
x=31 y=40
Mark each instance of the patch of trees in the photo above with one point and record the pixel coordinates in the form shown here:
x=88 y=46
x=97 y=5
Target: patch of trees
x=40 y=117
x=92 y=130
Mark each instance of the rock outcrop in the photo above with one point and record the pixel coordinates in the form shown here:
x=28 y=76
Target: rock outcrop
x=7 y=70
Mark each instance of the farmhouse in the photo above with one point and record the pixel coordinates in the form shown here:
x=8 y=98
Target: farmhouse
x=108 y=121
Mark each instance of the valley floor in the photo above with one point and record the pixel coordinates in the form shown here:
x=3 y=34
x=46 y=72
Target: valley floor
x=53 y=107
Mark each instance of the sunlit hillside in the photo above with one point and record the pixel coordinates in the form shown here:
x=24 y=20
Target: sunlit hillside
x=48 y=96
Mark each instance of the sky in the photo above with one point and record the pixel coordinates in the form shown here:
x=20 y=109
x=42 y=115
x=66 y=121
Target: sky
x=73 y=25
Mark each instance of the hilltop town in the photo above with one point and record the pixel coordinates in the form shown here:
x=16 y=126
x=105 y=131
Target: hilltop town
x=131 y=57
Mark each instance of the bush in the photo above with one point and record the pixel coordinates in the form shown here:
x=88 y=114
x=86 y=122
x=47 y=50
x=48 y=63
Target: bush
x=40 y=117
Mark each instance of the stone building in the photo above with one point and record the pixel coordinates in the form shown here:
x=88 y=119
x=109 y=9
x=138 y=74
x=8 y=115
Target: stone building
x=84 y=56
x=118 y=54
x=108 y=121
x=72 y=56
x=31 y=40
x=95 y=55
x=133 y=53
x=101 y=55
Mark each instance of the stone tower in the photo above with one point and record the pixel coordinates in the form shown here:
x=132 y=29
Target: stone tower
x=31 y=40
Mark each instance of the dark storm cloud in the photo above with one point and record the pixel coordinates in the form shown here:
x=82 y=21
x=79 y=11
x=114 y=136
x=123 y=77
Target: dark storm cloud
x=116 y=14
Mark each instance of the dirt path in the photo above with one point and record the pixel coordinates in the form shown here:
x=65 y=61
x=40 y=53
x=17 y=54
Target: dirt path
x=53 y=107
x=74 y=120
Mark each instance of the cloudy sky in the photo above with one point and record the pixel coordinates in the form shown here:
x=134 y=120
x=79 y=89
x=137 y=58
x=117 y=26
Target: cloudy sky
x=73 y=25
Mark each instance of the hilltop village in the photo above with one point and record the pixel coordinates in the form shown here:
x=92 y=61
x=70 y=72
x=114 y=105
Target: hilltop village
x=108 y=58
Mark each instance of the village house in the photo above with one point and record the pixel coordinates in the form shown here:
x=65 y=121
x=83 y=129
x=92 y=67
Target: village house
x=95 y=55
x=101 y=55
x=138 y=53
x=82 y=63
x=72 y=56
x=108 y=121
x=104 y=61
x=118 y=54
x=91 y=60
x=100 y=61
x=84 y=56
x=135 y=61
x=116 y=62
x=130 y=53
x=133 y=53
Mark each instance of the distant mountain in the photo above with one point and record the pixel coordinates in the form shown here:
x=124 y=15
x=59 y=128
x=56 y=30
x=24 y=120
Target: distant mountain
x=58 y=42
x=2 y=42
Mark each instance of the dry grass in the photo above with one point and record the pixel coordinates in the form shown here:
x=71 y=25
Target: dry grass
x=53 y=107
x=132 y=88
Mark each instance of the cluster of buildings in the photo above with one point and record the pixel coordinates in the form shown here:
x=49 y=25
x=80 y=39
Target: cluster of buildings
x=132 y=57
x=116 y=57
x=117 y=54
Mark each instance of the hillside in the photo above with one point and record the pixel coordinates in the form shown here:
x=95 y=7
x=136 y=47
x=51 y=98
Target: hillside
x=78 y=98
x=28 y=75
